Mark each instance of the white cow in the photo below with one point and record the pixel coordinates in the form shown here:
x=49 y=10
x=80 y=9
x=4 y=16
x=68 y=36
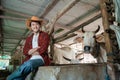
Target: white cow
x=91 y=45
x=59 y=53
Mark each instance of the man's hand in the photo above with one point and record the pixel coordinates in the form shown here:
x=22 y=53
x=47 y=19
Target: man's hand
x=33 y=50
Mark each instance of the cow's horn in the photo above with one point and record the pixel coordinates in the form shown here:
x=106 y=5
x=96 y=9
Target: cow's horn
x=97 y=29
x=83 y=30
x=66 y=58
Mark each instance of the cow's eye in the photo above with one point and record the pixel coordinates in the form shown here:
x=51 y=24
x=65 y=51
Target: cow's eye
x=82 y=36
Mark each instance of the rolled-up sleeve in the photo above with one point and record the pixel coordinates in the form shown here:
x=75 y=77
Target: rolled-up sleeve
x=44 y=43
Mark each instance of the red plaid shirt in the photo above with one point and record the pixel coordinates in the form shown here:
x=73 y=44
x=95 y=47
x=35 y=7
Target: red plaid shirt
x=43 y=42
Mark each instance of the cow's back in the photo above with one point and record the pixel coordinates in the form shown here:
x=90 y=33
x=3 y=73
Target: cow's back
x=59 y=53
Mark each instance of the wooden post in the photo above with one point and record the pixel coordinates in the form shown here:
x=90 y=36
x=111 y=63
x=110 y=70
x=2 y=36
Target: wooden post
x=108 y=45
x=106 y=26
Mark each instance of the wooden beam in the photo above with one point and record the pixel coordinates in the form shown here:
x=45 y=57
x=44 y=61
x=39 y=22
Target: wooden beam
x=105 y=25
x=11 y=47
x=63 y=11
x=12 y=18
x=88 y=13
x=16 y=38
x=54 y=2
x=17 y=28
x=12 y=34
x=80 y=26
x=8 y=48
x=9 y=42
x=14 y=12
x=64 y=38
x=23 y=19
x=58 y=25
x=79 y=22
x=49 y=8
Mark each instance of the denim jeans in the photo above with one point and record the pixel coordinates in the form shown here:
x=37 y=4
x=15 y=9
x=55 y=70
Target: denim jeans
x=27 y=67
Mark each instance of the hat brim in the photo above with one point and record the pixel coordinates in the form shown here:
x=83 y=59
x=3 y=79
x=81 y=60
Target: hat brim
x=28 y=22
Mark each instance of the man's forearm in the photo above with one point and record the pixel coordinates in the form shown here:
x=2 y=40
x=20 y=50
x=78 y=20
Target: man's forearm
x=31 y=51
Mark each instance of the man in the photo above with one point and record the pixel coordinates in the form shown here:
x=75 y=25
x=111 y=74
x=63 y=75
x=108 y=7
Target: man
x=35 y=50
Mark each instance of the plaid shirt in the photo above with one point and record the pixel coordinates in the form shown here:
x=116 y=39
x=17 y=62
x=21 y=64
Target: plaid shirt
x=43 y=42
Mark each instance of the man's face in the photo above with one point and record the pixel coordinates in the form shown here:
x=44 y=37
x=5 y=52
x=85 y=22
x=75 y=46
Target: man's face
x=35 y=26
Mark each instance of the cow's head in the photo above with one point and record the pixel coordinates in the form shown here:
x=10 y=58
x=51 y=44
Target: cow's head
x=89 y=39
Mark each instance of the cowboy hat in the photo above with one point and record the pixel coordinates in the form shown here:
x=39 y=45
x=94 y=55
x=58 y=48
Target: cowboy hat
x=33 y=18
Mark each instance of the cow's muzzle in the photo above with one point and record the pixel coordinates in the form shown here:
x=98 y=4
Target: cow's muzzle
x=87 y=49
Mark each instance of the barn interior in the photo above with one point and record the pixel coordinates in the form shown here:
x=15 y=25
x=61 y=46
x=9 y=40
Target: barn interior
x=63 y=21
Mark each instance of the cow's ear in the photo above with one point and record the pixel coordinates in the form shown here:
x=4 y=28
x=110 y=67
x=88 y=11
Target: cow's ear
x=100 y=38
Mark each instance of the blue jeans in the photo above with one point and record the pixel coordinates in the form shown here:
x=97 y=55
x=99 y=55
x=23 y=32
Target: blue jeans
x=27 y=67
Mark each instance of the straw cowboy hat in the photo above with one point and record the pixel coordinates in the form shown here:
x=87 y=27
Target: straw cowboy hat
x=33 y=18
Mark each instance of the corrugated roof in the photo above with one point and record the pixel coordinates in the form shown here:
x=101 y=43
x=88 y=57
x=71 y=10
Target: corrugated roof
x=15 y=12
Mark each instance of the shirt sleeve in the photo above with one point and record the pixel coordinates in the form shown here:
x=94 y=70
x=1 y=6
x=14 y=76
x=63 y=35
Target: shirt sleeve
x=44 y=43
x=26 y=47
